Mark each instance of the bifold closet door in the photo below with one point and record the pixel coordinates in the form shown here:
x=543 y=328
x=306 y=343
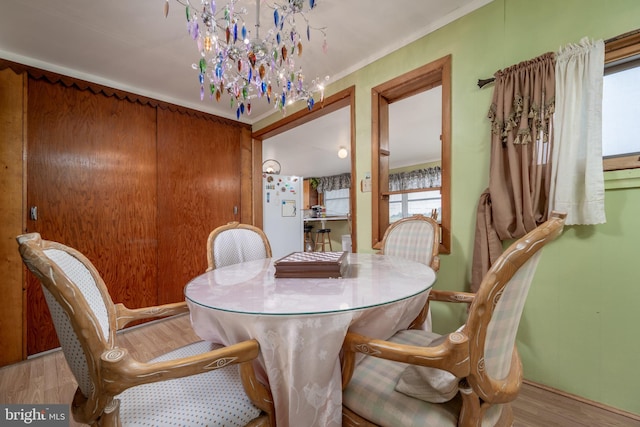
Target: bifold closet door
x=198 y=189
x=91 y=184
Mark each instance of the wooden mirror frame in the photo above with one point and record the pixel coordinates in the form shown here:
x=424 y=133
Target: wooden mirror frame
x=436 y=73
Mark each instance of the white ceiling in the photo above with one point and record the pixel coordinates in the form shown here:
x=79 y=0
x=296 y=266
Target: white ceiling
x=130 y=45
x=311 y=150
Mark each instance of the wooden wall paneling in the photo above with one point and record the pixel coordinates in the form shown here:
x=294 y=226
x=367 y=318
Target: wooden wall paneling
x=12 y=109
x=199 y=173
x=92 y=175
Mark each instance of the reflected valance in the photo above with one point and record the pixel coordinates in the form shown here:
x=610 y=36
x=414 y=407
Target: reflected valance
x=334 y=182
x=415 y=179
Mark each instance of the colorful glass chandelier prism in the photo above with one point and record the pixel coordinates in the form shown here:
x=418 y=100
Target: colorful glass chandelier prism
x=237 y=62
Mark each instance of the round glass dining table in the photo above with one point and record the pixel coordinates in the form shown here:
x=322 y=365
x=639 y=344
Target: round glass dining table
x=301 y=323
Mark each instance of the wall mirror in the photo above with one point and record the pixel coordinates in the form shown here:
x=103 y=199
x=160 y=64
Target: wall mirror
x=315 y=144
x=411 y=149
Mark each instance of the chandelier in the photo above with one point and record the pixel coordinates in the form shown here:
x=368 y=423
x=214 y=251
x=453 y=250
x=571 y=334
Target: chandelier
x=238 y=62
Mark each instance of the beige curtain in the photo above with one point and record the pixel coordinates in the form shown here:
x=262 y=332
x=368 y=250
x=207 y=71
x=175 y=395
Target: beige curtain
x=521 y=134
x=577 y=181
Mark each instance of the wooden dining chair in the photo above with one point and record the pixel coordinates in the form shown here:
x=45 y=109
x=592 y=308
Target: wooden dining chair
x=416 y=238
x=464 y=378
x=234 y=243
x=198 y=384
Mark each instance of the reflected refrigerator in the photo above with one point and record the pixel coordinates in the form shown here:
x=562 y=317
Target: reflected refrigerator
x=282 y=213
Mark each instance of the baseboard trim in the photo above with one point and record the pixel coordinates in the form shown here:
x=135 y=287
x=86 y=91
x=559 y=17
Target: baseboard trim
x=621 y=412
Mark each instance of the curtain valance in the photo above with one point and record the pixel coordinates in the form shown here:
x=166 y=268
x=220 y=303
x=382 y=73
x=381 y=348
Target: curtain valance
x=334 y=182
x=415 y=179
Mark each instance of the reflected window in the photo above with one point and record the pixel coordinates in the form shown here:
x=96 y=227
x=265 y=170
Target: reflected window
x=337 y=202
x=425 y=203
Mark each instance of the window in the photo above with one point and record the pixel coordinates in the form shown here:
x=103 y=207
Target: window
x=337 y=202
x=426 y=203
x=621 y=103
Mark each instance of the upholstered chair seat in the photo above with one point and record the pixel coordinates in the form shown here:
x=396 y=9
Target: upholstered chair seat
x=372 y=391
x=216 y=398
x=464 y=378
x=201 y=384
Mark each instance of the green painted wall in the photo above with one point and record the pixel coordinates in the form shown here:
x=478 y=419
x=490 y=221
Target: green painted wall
x=579 y=332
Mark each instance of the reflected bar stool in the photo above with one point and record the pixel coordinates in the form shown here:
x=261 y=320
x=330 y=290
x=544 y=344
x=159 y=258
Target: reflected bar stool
x=308 y=240
x=323 y=237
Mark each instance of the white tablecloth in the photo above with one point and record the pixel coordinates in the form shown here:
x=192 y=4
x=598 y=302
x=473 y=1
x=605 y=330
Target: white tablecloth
x=300 y=348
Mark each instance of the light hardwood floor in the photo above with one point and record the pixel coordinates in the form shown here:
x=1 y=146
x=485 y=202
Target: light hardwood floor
x=47 y=379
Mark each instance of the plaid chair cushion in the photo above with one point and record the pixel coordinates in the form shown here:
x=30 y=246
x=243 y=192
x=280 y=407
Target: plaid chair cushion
x=412 y=240
x=371 y=392
x=429 y=384
x=503 y=327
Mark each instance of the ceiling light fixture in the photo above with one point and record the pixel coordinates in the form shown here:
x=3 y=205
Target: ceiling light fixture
x=271 y=166
x=245 y=66
x=343 y=153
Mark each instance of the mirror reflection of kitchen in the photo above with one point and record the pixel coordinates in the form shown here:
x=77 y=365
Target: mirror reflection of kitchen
x=319 y=153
